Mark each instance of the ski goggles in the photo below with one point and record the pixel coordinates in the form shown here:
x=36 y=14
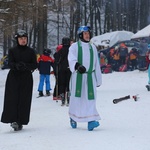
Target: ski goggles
x=84 y=29
x=21 y=33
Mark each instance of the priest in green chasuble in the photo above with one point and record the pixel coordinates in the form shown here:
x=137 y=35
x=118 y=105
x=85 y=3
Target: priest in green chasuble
x=86 y=77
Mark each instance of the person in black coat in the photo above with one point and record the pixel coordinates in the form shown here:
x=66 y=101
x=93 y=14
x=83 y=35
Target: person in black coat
x=64 y=73
x=19 y=83
x=56 y=93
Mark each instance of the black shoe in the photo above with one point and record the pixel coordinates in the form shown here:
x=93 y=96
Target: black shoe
x=63 y=103
x=48 y=93
x=148 y=87
x=41 y=93
x=73 y=123
x=16 y=126
x=62 y=99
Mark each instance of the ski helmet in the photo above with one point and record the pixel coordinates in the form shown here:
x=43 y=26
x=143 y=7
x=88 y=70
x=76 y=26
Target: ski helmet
x=83 y=29
x=21 y=33
x=66 y=41
x=47 y=51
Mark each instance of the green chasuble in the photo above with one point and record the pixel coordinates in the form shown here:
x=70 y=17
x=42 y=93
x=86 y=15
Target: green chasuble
x=89 y=74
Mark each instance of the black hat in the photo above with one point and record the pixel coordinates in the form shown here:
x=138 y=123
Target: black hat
x=47 y=51
x=66 y=41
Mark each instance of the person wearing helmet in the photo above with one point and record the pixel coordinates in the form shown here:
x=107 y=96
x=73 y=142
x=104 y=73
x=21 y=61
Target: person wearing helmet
x=148 y=66
x=19 y=83
x=62 y=71
x=86 y=76
x=45 y=62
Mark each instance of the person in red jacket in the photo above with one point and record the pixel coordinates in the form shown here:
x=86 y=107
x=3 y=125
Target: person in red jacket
x=45 y=62
x=148 y=66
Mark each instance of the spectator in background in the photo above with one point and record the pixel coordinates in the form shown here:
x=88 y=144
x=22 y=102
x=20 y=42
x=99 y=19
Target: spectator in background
x=148 y=66
x=142 y=54
x=45 y=62
x=71 y=41
x=64 y=72
x=103 y=61
x=110 y=55
x=133 y=58
x=56 y=92
x=116 y=59
x=123 y=52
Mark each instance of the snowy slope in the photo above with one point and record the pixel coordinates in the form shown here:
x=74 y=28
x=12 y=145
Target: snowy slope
x=124 y=126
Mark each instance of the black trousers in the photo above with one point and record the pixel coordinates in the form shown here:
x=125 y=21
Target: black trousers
x=64 y=79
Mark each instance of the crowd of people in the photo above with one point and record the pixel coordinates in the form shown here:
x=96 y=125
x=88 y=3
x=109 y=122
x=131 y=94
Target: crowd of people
x=121 y=57
x=77 y=71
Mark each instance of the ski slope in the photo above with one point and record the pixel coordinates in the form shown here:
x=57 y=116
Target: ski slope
x=123 y=126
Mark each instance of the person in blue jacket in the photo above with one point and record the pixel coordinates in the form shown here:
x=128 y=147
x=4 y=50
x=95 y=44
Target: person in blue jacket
x=45 y=62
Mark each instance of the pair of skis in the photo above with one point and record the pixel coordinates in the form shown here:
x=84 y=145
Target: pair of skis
x=117 y=100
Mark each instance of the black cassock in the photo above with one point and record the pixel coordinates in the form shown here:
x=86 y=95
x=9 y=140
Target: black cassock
x=19 y=85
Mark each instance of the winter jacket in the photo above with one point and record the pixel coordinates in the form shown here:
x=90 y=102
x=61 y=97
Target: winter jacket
x=44 y=64
x=132 y=55
x=123 y=51
x=116 y=55
x=61 y=58
x=22 y=55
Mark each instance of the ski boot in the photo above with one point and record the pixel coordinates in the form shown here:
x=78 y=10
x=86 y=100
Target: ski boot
x=73 y=123
x=68 y=98
x=48 y=93
x=92 y=125
x=16 y=126
x=62 y=99
x=148 y=87
x=41 y=93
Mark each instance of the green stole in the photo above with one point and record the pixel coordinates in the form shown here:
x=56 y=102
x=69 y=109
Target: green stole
x=89 y=74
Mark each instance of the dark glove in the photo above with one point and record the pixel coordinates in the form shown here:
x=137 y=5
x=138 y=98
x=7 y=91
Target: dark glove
x=21 y=66
x=80 y=68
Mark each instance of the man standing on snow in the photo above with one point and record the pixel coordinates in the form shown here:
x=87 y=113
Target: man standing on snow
x=86 y=76
x=19 y=84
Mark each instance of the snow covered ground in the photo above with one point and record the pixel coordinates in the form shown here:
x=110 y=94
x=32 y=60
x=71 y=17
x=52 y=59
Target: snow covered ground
x=124 y=126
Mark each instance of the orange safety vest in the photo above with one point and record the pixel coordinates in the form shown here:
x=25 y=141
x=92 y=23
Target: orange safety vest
x=132 y=56
x=116 y=56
